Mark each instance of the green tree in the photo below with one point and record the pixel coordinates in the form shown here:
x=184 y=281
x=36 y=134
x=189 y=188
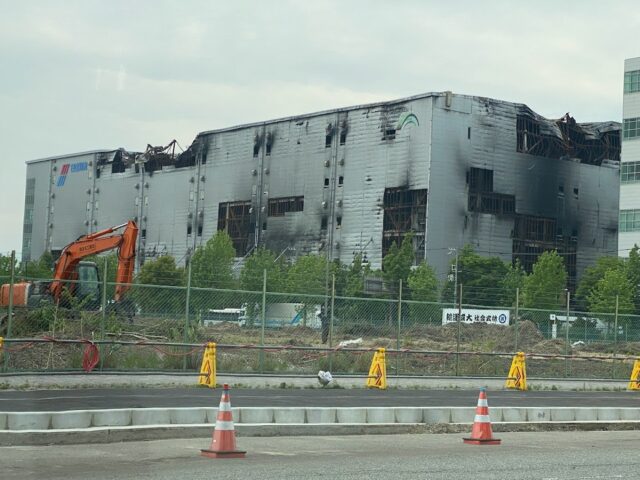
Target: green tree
x=397 y=263
x=149 y=294
x=251 y=275
x=480 y=277
x=614 y=283
x=212 y=264
x=354 y=277
x=423 y=285
x=633 y=272
x=38 y=269
x=591 y=276
x=544 y=287
x=512 y=281
x=308 y=275
x=5 y=266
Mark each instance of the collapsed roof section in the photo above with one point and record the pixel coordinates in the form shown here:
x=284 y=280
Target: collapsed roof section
x=591 y=143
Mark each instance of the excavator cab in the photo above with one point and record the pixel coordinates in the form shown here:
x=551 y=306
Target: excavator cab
x=87 y=288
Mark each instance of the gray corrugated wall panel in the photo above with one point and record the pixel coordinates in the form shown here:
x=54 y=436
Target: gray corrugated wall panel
x=41 y=172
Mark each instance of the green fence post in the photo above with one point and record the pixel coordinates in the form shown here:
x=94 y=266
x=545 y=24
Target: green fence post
x=399 y=327
x=103 y=307
x=333 y=299
x=264 y=318
x=566 y=335
x=615 y=338
x=459 y=332
x=186 y=313
x=12 y=280
x=517 y=313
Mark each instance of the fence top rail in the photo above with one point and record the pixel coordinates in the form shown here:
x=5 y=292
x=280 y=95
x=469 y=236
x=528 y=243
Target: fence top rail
x=391 y=351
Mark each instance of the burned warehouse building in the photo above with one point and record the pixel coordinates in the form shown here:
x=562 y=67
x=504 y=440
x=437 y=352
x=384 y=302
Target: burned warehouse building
x=453 y=169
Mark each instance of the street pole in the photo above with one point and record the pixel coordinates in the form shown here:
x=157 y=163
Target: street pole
x=459 y=332
x=517 y=312
x=615 y=338
x=333 y=298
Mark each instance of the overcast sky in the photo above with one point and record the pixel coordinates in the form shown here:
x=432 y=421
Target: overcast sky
x=83 y=75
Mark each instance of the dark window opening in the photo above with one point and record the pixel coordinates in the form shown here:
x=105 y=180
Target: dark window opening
x=326 y=182
x=264 y=225
x=329 y=136
x=575 y=192
x=143 y=233
x=189 y=229
x=256 y=145
x=404 y=212
x=469 y=133
x=269 y=144
x=338 y=222
x=97 y=173
x=323 y=223
x=340 y=180
x=117 y=165
x=343 y=136
x=480 y=180
x=199 y=229
x=561 y=189
x=389 y=133
x=235 y=219
x=279 y=206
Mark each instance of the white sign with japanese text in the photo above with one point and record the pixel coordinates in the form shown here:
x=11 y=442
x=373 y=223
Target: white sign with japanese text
x=494 y=317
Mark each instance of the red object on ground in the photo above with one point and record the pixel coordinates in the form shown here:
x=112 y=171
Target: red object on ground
x=481 y=433
x=91 y=357
x=223 y=444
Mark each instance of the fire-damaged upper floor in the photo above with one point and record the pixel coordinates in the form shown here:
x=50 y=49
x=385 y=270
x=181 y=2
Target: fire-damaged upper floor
x=450 y=169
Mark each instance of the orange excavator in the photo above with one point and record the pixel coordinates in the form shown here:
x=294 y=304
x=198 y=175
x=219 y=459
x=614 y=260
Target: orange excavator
x=80 y=278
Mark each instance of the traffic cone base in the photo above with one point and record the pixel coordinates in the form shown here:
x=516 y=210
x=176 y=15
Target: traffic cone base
x=479 y=441
x=212 y=454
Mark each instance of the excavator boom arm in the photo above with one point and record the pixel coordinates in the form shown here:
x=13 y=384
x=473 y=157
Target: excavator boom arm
x=93 y=244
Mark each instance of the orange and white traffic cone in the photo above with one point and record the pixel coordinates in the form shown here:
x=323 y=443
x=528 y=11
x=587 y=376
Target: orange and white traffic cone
x=223 y=444
x=481 y=433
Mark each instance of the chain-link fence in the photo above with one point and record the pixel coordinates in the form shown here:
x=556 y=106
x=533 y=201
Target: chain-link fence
x=162 y=327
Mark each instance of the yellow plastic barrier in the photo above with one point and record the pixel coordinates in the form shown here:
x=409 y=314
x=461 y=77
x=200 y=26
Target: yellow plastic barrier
x=634 y=381
x=208 y=367
x=378 y=371
x=517 y=378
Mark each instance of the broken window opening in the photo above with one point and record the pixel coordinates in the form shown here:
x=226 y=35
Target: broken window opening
x=323 y=223
x=264 y=226
x=235 y=219
x=326 y=182
x=340 y=180
x=256 y=145
x=565 y=138
x=469 y=133
x=200 y=229
x=269 y=144
x=328 y=139
x=143 y=233
x=189 y=228
x=404 y=212
x=480 y=179
x=278 y=207
x=483 y=199
x=389 y=133
x=338 y=222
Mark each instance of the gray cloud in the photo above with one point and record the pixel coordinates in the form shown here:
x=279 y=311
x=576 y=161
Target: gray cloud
x=93 y=74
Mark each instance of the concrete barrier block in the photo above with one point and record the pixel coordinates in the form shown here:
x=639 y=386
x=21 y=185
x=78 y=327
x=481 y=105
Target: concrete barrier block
x=629 y=413
x=150 y=416
x=71 y=419
x=321 y=415
x=381 y=415
x=513 y=414
x=408 y=415
x=256 y=415
x=212 y=414
x=462 y=414
x=289 y=415
x=111 y=418
x=436 y=415
x=3 y=421
x=609 y=414
x=538 y=414
x=563 y=414
x=585 y=414
x=495 y=414
x=29 y=421
x=351 y=415
x=184 y=416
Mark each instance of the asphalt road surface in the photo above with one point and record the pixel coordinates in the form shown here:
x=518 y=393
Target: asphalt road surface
x=530 y=456
x=81 y=399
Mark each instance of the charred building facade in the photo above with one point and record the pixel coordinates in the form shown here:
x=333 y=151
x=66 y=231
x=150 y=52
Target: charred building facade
x=452 y=169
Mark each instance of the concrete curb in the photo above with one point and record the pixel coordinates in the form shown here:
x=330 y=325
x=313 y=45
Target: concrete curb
x=95 y=435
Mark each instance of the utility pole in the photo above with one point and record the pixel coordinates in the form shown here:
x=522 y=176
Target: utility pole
x=453 y=250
